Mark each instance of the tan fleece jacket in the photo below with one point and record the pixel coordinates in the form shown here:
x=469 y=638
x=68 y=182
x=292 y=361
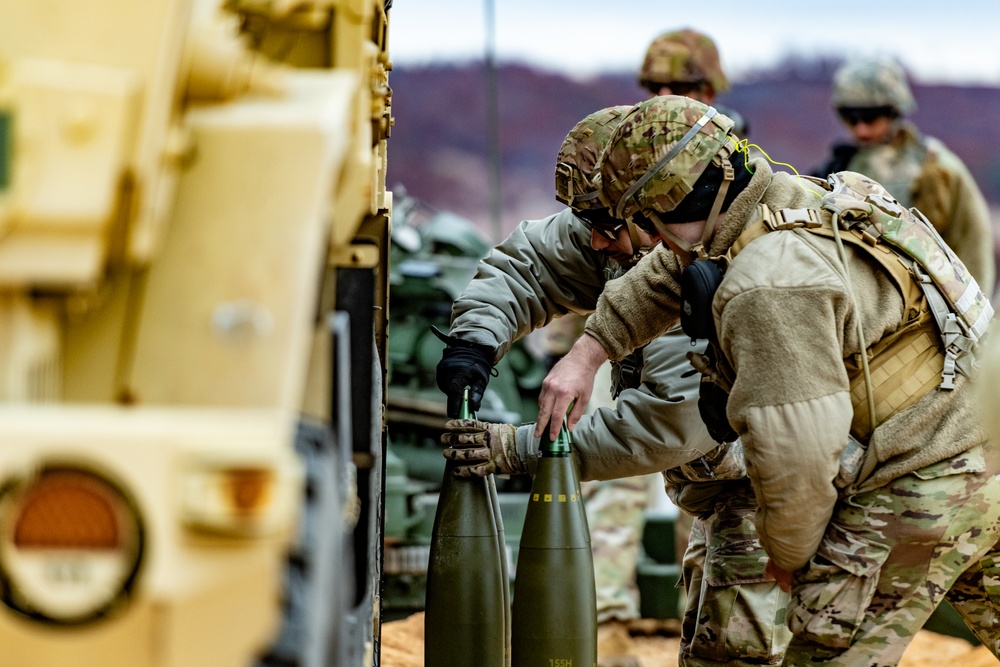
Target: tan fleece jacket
x=786 y=322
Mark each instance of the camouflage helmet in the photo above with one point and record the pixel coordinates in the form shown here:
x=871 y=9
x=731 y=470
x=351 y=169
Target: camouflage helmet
x=872 y=82
x=577 y=158
x=683 y=56
x=658 y=152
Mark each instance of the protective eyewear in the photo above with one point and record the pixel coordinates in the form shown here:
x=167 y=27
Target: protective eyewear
x=644 y=223
x=599 y=221
x=684 y=88
x=855 y=115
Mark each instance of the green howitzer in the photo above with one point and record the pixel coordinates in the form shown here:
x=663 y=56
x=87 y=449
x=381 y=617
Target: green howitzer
x=555 y=602
x=467 y=608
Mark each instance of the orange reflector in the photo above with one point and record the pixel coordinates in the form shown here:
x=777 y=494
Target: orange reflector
x=249 y=489
x=68 y=510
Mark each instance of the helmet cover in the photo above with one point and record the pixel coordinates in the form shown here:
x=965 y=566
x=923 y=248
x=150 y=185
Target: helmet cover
x=577 y=158
x=688 y=135
x=872 y=82
x=683 y=56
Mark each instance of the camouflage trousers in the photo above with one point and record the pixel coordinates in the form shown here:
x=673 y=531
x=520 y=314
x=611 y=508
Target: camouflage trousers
x=735 y=614
x=616 y=511
x=891 y=555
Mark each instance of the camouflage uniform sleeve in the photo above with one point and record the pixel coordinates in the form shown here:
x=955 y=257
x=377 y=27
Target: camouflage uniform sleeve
x=639 y=306
x=783 y=333
x=544 y=269
x=654 y=427
x=947 y=193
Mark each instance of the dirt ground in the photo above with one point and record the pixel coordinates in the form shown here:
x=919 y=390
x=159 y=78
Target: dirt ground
x=403 y=646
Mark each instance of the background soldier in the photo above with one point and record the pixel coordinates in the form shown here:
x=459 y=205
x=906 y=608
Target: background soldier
x=873 y=98
x=547 y=268
x=879 y=492
x=686 y=62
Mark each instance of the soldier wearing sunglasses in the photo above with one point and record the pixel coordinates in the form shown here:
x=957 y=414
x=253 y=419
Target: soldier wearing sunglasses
x=872 y=97
x=686 y=62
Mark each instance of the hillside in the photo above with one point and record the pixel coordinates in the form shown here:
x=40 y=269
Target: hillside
x=439 y=143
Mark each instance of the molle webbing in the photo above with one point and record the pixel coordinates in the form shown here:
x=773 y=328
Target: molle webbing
x=902 y=372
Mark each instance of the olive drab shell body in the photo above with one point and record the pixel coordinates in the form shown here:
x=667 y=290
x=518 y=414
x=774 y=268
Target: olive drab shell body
x=555 y=606
x=467 y=609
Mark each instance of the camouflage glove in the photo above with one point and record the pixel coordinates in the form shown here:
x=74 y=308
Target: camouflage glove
x=488 y=448
x=699 y=499
x=722 y=463
x=463 y=364
x=694 y=486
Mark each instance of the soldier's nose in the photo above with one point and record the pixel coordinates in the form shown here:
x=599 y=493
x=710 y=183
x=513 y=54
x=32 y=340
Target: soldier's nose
x=598 y=241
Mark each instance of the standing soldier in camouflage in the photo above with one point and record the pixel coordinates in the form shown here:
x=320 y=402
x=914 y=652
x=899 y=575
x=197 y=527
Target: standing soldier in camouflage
x=842 y=351
x=548 y=268
x=873 y=98
x=686 y=62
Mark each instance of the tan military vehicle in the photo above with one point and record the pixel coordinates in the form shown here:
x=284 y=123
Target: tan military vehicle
x=193 y=234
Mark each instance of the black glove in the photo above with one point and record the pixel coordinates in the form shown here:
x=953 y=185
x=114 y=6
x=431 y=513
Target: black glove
x=463 y=364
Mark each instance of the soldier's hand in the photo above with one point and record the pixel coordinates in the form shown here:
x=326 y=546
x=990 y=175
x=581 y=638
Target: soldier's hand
x=570 y=381
x=464 y=366
x=482 y=447
x=782 y=576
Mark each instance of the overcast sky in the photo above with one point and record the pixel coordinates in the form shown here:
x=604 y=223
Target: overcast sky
x=936 y=41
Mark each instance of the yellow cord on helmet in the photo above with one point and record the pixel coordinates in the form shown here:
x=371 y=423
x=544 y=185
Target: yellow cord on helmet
x=744 y=146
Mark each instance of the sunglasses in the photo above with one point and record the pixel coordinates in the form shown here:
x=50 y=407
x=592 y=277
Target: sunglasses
x=855 y=115
x=600 y=221
x=684 y=88
x=644 y=223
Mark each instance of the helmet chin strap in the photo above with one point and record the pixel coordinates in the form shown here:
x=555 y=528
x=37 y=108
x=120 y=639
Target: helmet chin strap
x=698 y=249
x=639 y=249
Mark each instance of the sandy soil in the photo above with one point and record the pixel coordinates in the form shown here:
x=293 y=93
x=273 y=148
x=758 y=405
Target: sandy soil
x=403 y=646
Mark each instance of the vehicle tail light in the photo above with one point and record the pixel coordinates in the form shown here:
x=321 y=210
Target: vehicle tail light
x=70 y=545
x=236 y=498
